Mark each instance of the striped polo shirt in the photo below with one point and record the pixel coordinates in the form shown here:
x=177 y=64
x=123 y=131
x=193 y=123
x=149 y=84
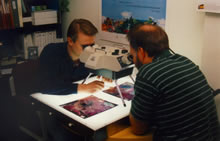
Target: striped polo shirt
x=172 y=94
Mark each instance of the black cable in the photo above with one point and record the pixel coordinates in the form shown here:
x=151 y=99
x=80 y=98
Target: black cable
x=172 y=51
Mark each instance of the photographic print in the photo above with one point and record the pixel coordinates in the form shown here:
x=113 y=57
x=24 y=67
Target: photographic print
x=127 y=90
x=88 y=106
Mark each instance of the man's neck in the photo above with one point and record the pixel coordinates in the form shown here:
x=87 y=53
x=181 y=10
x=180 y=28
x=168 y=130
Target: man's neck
x=72 y=55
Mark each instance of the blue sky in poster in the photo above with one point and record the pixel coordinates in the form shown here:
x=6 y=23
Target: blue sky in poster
x=138 y=9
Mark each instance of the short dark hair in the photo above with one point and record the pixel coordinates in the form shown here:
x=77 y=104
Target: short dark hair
x=152 y=38
x=81 y=25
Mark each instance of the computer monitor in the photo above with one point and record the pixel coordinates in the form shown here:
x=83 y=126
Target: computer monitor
x=117 y=17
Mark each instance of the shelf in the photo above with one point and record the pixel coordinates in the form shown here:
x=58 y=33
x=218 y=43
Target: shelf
x=212 y=6
x=43 y=17
x=210 y=11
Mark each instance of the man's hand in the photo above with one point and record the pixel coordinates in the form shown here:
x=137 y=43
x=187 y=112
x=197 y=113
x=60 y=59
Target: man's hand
x=104 y=79
x=91 y=87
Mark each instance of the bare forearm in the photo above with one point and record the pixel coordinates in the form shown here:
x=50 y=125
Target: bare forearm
x=91 y=87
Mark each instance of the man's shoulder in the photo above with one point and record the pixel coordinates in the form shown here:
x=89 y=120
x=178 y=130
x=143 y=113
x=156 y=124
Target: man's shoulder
x=55 y=46
x=54 y=49
x=164 y=65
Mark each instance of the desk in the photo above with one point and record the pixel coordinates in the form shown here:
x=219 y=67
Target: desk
x=89 y=125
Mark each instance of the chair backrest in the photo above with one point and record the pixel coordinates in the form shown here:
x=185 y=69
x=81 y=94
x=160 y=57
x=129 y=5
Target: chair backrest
x=26 y=77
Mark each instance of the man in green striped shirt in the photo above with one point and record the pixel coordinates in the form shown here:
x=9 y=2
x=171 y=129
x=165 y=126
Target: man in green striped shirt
x=171 y=93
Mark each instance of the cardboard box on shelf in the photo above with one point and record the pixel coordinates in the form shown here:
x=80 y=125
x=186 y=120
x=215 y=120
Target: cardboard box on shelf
x=44 y=17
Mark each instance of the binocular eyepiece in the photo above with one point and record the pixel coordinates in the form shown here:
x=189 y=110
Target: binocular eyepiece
x=127 y=59
x=130 y=57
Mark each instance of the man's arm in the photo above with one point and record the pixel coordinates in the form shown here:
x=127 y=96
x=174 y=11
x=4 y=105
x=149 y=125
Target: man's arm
x=91 y=87
x=138 y=127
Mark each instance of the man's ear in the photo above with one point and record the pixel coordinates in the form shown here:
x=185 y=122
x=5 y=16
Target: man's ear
x=141 y=53
x=69 y=40
x=141 y=50
x=143 y=56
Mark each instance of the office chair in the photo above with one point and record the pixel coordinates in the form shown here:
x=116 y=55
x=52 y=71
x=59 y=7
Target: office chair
x=22 y=83
x=121 y=131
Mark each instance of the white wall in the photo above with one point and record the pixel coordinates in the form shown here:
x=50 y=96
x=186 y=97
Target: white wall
x=211 y=50
x=184 y=26
x=88 y=9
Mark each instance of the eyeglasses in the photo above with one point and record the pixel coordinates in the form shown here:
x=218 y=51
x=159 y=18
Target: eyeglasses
x=130 y=57
x=84 y=46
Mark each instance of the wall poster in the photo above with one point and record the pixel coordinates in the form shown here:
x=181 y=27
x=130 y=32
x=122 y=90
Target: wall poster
x=120 y=15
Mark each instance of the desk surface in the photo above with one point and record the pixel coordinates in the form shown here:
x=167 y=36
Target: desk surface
x=94 y=122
